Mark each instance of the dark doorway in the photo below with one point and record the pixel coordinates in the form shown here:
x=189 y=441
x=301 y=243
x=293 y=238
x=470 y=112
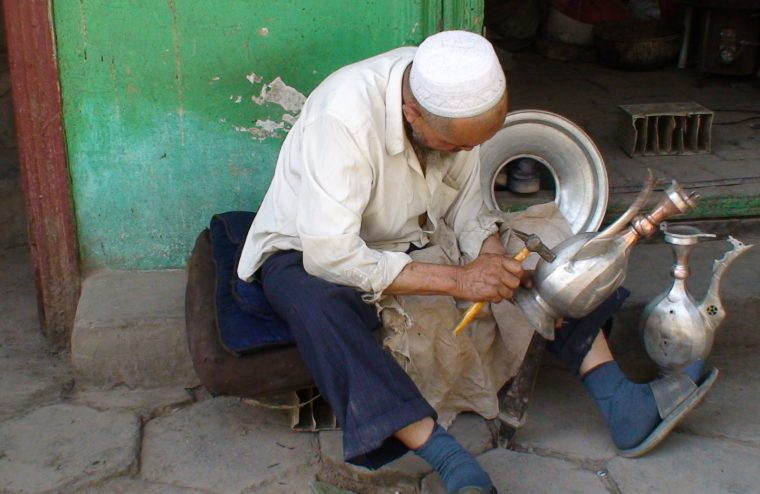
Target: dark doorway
x=12 y=212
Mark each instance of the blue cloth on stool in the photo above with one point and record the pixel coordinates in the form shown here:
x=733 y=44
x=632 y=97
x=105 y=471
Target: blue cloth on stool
x=245 y=320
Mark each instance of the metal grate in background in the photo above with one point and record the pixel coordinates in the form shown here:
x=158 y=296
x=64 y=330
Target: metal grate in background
x=665 y=128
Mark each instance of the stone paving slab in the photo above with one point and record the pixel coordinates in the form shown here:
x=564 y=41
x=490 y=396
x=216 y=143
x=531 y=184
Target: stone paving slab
x=225 y=446
x=697 y=465
x=686 y=169
x=516 y=472
x=404 y=474
x=295 y=482
x=731 y=408
x=148 y=403
x=127 y=485
x=62 y=447
x=30 y=374
x=473 y=432
x=563 y=419
x=25 y=383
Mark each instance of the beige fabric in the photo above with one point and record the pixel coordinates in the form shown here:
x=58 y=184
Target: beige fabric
x=465 y=372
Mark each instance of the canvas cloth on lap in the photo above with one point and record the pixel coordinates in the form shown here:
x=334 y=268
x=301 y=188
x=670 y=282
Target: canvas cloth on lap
x=465 y=372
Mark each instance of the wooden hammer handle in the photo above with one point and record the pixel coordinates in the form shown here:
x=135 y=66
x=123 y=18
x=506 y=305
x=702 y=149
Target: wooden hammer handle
x=522 y=255
x=473 y=311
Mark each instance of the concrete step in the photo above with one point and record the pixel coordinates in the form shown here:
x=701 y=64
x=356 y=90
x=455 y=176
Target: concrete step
x=130 y=329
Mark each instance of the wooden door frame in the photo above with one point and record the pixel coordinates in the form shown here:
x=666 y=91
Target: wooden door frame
x=45 y=178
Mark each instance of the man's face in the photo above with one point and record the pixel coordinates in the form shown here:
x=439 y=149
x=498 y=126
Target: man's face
x=427 y=138
x=461 y=134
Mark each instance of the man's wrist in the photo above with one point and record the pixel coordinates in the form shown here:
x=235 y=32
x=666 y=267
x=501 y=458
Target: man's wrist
x=419 y=278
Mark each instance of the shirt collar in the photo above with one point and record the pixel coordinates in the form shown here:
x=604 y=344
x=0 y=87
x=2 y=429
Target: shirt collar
x=394 y=117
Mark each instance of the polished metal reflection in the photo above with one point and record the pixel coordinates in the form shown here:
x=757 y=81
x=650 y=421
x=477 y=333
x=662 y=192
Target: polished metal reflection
x=572 y=158
x=589 y=267
x=676 y=329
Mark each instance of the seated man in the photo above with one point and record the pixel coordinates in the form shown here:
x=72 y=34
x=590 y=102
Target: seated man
x=383 y=155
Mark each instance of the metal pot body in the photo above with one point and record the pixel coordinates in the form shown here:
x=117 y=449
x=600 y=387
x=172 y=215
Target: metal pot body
x=573 y=287
x=674 y=330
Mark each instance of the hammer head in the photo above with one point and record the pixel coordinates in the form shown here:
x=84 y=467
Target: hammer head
x=534 y=244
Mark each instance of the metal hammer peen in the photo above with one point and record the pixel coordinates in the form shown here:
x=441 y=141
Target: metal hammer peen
x=532 y=244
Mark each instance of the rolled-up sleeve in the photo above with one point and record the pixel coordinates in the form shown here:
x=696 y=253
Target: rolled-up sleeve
x=468 y=215
x=335 y=189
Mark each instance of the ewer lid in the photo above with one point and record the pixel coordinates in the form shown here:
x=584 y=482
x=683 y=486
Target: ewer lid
x=683 y=234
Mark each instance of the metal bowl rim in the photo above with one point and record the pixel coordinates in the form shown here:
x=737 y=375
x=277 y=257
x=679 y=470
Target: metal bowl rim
x=600 y=184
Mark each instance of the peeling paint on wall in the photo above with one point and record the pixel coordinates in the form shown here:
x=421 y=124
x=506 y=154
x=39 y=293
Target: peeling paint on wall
x=265 y=129
x=290 y=99
x=280 y=93
x=253 y=78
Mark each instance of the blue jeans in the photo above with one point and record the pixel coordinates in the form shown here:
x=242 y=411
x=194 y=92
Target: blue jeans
x=371 y=395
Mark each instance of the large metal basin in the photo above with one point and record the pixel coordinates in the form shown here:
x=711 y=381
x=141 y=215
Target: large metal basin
x=580 y=177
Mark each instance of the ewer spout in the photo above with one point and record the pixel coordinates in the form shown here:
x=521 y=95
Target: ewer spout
x=711 y=307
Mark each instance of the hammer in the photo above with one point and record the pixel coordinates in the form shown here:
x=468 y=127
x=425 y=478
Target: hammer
x=532 y=244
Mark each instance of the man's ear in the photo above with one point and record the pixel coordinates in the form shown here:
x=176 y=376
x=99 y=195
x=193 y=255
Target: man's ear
x=411 y=111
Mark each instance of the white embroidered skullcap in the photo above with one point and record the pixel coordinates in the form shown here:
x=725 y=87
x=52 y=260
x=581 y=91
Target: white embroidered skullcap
x=457 y=74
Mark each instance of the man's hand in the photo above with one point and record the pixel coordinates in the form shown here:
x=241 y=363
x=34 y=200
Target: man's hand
x=492 y=277
x=492 y=245
x=489 y=278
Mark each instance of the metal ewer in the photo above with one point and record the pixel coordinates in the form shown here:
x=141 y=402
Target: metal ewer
x=675 y=328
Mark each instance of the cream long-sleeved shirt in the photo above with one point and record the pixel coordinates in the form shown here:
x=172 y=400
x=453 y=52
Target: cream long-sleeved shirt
x=348 y=189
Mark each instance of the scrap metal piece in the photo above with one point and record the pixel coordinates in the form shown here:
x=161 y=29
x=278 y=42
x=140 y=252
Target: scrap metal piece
x=514 y=396
x=665 y=129
x=309 y=412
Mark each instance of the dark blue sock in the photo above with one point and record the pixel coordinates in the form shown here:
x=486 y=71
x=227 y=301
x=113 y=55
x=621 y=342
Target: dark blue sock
x=629 y=409
x=455 y=465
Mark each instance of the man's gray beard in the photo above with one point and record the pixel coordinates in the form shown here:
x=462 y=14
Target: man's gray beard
x=424 y=153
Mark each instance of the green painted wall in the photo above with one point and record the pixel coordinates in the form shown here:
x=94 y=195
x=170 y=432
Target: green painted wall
x=173 y=109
